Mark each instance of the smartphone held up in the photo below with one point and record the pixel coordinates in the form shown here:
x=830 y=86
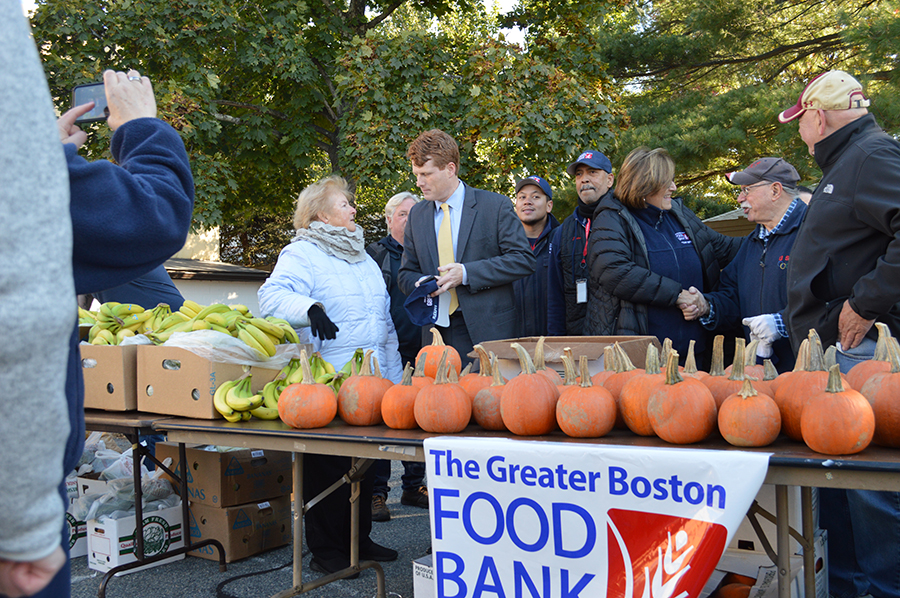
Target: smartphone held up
x=91 y=92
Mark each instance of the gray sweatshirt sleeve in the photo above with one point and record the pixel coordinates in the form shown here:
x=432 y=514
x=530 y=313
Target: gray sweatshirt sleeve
x=37 y=299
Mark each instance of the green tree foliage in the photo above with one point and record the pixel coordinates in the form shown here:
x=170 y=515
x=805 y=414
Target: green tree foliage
x=706 y=80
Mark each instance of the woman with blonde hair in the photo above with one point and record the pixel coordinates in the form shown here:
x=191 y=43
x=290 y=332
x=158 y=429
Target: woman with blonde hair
x=333 y=293
x=645 y=250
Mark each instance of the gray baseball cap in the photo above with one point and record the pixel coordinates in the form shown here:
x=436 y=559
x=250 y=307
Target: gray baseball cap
x=774 y=170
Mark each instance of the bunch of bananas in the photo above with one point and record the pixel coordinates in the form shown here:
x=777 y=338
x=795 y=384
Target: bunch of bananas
x=86 y=317
x=117 y=321
x=260 y=334
x=235 y=401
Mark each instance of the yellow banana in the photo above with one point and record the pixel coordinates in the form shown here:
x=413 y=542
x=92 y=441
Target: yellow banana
x=245 y=416
x=264 y=413
x=215 y=308
x=262 y=338
x=106 y=309
x=240 y=308
x=273 y=330
x=296 y=375
x=123 y=334
x=238 y=396
x=251 y=342
x=176 y=317
x=198 y=324
x=218 y=328
x=217 y=319
x=256 y=400
x=329 y=368
x=99 y=341
x=270 y=393
x=124 y=309
x=106 y=335
x=220 y=404
x=190 y=308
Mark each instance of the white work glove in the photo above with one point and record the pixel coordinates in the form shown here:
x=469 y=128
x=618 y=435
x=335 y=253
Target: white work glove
x=763 y=349
x=763 y=327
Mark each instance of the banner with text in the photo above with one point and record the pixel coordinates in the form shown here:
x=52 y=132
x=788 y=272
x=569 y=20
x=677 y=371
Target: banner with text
x=523 y=519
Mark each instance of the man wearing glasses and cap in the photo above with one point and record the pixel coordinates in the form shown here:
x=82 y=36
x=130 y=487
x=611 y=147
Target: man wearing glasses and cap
x=844 y=276
x=753 y=287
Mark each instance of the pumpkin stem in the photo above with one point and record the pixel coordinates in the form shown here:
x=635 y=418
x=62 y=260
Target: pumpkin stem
x=568 y=351
x=816 y=354
x=882 y=346
x=750 y=352
x=651 y=363
x=834 y=380
x=440 y=376
x=585 y=374
x=419 y=370
x=451 y=373
x=495 y=369
x=610 y=358
x=690 y=362
x=377 y=370
x=569 y=368
x=436 y=339
x=894 y=354
x=672 y=374
x=407 y=375
x=802 y=356
x=539 y=355
x=484 y=362
x=737 y=369
x=466 y=370
x=366 y=369
x=747 y=389
x=717 y=368
x=664 y=352
x=525 y=361
x=830 y=357
x=624 y=363
x=305 y=368
x=769 y=371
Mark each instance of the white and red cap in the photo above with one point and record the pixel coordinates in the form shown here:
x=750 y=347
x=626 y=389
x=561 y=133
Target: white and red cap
x=834 y=90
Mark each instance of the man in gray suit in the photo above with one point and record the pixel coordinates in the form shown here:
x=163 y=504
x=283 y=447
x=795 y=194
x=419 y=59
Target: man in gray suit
x=489 y=248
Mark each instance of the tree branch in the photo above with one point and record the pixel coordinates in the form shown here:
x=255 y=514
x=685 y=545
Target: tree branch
x=385 y=14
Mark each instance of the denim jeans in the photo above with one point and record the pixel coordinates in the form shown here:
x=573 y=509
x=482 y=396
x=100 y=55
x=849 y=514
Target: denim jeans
x=863 y=526
x=413 y=476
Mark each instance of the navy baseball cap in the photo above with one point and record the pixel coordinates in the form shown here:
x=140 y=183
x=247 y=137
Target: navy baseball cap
x=537 y=182
x=774 y=170
x=591 y=158
x=422 y=309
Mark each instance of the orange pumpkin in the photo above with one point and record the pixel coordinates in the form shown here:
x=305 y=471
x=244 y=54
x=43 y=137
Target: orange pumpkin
x=432 y=355
x=541 y=367
x=882 y=390
x=732 y=590
x=398 y=403
x=419 y=379
x=785 y=377
x=837 y=420
x=751 y=368
x=584 y=410
x=472 y=383
x=359 y=399
x=528 y=401
x=681 y=411
x=307 y=404
x=636 y=392
x=749 y=418
x=880 y=363
x=443 y=407
x=723 y=387
x=486 y=405
x=717 y=366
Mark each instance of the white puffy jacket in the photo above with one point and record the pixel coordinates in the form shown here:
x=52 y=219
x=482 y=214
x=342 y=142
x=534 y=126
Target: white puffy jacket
x=353 y=296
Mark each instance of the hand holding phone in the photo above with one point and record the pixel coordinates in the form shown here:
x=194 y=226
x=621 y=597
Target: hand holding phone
x=85 y=94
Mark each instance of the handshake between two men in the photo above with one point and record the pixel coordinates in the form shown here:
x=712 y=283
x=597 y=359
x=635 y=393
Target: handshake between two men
x=764 y=328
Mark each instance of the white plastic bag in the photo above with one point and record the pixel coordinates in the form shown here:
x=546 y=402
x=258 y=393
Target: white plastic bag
x=224 y=348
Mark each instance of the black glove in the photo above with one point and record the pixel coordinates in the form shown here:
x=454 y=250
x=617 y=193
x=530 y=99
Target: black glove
x=320 y=325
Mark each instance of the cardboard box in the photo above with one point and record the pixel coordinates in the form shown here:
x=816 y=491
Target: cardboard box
x=90 y=483
x=746 y=538
x=111 y=541
x=77 y=533
x=174 y=381
x=423 y=577
x=591 y=346
x=110 y=377
x=226 y=479
x=244 y=530
x=760 y=567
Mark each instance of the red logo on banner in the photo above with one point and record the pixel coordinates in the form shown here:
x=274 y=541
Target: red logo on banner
x=661 y=556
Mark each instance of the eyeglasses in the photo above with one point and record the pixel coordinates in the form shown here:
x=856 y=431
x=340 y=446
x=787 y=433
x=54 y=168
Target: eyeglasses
x=746 y=190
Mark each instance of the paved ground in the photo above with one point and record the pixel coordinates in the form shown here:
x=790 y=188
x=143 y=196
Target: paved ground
x=266 y=574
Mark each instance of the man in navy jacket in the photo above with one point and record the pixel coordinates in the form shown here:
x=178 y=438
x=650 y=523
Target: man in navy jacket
x=754 y=284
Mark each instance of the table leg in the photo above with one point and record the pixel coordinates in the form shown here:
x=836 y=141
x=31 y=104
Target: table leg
x=298 y=519
x=782 y=514
x=136 y=452
x=809 y=549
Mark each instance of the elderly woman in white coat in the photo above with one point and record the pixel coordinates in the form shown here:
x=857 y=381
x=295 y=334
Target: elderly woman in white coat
x=333 y=293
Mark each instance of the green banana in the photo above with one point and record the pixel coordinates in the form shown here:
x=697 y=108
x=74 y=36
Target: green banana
x=176 y=317
x=296 y=375
x=198 y=324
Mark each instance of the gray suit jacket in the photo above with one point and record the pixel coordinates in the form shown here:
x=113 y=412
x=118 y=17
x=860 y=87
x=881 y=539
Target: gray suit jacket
x=491 y=244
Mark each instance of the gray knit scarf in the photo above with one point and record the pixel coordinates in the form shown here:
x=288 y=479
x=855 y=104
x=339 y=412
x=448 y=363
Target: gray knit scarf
x=335 y=240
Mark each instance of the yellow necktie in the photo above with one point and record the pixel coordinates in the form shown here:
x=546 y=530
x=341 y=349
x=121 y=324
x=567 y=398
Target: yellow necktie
x=445 y=250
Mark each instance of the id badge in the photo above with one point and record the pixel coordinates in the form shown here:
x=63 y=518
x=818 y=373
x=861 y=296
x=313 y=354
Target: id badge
x=581 y=290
